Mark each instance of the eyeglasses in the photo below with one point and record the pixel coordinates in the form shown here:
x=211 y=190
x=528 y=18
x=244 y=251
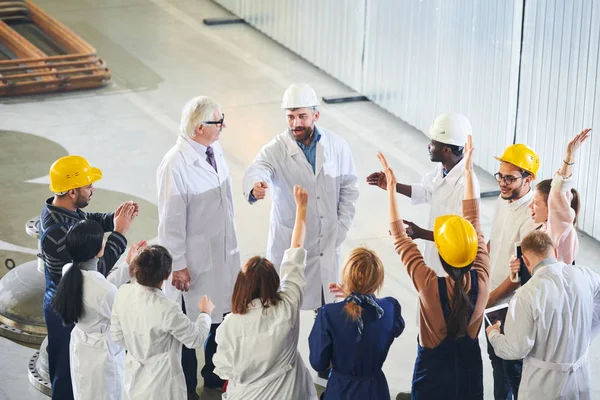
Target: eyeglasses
x=508 y=179
x=219 y=123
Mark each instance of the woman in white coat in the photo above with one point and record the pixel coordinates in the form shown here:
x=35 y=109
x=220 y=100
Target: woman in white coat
x=152 y=328
x=85 y=297
x=258 y=342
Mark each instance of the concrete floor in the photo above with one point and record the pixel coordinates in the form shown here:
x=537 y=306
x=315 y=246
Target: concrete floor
x=161 y=55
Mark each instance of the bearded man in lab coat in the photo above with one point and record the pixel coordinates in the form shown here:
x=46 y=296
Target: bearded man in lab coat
x=196 y=223
x=322 y=163
x=551 y=322
x=443 y=187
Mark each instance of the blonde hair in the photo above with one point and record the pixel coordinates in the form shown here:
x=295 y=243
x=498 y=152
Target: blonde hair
x=537 y=242
x=362 y=273
x=196 y=111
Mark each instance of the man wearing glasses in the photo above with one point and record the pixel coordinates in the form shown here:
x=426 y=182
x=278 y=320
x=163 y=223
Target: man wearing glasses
x=196 y=223
x=510 y=225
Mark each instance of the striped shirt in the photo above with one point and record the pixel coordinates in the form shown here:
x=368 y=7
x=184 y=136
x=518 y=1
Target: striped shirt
x=54 y=251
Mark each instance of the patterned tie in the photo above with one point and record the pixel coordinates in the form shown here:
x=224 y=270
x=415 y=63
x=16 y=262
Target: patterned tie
x=210 y=157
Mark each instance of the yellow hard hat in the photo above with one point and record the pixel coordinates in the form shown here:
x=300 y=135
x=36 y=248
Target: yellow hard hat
x=521 y=156
x=455 y=239
x=72 y=172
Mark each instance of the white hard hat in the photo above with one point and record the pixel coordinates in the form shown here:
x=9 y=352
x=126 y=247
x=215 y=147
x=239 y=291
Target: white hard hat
x=299 y=95
x=451 y=128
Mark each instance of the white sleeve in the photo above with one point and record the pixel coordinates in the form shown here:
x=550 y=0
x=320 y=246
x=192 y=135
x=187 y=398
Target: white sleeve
x=595 y=279
x=292 y=276
x=520 y=329
x=120 y=275
x=422 y=192
x=348 y=195
x=191 y=334
x=116 y=332
x=261 y=169
x=172 y=213
x=223 y=358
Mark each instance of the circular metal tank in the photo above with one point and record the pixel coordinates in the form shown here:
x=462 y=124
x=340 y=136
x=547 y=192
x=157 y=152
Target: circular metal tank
x=39 y=376
x=21 y=298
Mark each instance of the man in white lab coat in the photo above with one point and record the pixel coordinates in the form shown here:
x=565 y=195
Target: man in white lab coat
x=444 y=186
x=551 y=322
x=322 y=163
x=196 y=223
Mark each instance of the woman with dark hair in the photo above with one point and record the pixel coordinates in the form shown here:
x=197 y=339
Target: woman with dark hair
x=152 y=328
x=555 y=205
x=451 y=308
x=258 y=342
x=354 y=336
x=84 y=297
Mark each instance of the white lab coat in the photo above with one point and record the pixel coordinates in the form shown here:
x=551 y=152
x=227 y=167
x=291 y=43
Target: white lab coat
x=332 y=194
x=550 y=323
x=445 y=196
x=152 y=328
x=196 y=223
x=258 y=351
x=96 y=361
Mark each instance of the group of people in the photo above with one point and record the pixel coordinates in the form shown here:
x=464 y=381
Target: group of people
x=131 y=331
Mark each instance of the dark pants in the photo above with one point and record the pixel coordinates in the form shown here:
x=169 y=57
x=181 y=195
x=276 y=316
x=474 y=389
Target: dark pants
x=210 y=348
x=189 y=362
x=507 y=374
x=59 y=337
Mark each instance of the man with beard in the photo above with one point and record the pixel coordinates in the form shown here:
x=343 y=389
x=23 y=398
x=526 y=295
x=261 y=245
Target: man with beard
x=443 y=187
x=510 y=225
x=72 y=182
x=320 y=161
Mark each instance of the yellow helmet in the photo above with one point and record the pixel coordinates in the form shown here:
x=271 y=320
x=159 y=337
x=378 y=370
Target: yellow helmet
x=72 y=172
x=521 y=156
x=455 y=239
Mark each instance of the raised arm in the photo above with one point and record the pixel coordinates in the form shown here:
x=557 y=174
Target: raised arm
x=421 y=275
x=294 y=259
x=471 y=212
x=566 y=169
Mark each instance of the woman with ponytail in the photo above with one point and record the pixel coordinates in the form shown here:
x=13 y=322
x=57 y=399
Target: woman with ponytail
x=353 y=337
x=555 y=206
x=448 y=364
x=84 y=297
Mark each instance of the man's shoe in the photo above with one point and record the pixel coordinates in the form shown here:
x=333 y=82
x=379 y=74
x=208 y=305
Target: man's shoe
x=193 y=396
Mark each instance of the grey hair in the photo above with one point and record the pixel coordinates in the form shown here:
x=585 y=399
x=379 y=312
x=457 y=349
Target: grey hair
x=196 y=111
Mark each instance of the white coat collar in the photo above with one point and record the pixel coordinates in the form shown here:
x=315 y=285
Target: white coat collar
x=455 y=173
x=294 y=150
x=187 y=151
x=190 y=155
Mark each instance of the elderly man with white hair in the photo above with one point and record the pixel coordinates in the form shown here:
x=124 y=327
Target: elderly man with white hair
x=196 y=223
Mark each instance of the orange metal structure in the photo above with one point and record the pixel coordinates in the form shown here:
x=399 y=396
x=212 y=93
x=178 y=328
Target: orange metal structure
x=33 y=71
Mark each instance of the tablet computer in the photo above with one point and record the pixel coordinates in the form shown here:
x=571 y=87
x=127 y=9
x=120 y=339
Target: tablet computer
x=496 y=313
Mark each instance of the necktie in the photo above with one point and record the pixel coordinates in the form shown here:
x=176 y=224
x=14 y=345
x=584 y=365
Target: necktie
x=210 y=157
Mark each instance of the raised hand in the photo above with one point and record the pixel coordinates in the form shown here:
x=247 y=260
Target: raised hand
x=469 y=153
x=300 y=196
x=205 y=305
x=389 y=174
x=337 y=290
x=576 y=143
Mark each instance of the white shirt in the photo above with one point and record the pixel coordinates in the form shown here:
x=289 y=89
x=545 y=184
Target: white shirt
x=258 y=351
x=512 y=222
x=551 y=322
x=445 y=195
